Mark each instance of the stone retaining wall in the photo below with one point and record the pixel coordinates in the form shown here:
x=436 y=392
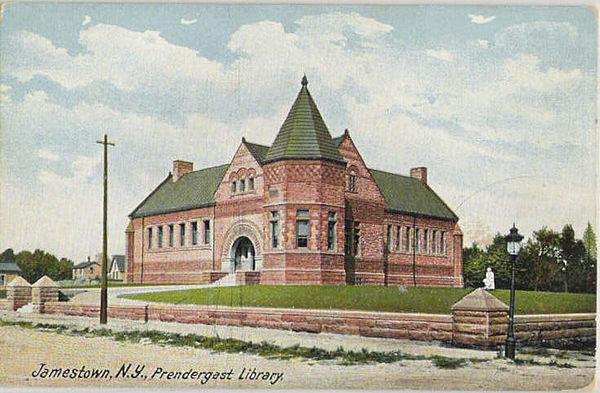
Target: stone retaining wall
x=477 y=319
x=372 y=324
x=535 y=328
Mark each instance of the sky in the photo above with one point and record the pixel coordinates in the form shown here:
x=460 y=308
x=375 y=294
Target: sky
x=499 y=103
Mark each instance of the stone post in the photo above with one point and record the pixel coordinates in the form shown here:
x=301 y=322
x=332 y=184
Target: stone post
x=479 y=318
x=42 y=291
x=18 y=293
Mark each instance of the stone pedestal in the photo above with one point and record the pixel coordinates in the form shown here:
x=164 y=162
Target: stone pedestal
x=479 y=318
x=42 y=291
x=18 y=293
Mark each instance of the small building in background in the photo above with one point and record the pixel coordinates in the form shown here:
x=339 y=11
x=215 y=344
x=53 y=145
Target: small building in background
x=116 y=271
x=88 y=269
x=9 y=270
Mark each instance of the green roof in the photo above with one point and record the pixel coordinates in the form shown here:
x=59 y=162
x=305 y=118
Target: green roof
x=259 y=152
x=304 y=134
x=408 y=195
x=193 y=190
x=337 y=141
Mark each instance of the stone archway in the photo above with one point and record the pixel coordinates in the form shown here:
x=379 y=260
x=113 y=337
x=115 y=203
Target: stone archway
x=242 y=254
x=233 y=241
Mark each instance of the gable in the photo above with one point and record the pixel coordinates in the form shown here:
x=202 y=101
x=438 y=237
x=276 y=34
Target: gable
x=245 y=164
x=193 y=190
x=366 y=187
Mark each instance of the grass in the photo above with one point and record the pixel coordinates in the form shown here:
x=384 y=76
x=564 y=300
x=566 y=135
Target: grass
x=121 y=284
x=373 y=298
x=267 y=350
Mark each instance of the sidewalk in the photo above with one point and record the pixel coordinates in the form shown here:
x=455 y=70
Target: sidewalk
x=284 y=338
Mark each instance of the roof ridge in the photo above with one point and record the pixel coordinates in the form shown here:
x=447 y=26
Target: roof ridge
x=256 y=144
x=392 y=173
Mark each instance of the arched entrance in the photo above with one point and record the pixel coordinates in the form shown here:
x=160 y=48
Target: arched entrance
x=234 y=240
x=243 y=255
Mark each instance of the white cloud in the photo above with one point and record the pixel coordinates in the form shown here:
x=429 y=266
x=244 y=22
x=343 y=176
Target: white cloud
x=464 y=122
x=483 y=43
x=441 y=54
x=188 y=21
x=87 y=19
x=480 y=19
x=48 y=155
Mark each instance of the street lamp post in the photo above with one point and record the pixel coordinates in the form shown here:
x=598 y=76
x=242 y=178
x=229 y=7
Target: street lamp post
x=513 y=245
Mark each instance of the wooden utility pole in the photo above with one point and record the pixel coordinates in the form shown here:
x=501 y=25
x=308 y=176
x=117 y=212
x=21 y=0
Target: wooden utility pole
x=103 y=285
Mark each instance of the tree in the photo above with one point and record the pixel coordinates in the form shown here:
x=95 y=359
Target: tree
x=542 y=257
x=40 y=263
x=495 y=256
x=590 y=259
x=571 y=257
x=474 y=265
x=7 y=255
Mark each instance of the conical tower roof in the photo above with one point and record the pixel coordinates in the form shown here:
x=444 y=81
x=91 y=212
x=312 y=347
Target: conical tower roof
x=304 y=134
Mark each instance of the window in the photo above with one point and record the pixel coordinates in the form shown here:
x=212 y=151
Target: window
x=302 y=233
x=160 y=236
x=171 y=235
x=348 y=238
x=407 y=240
x=398 y=237
x=2 y=279
x=302 y=212
x=91 y=270
x=443 y=243
x=356 y=238
x=434 y=248
x=417 y=240
x=251 y=183
x=274 y=229
x=331 y=231
x=426 y=241
x=194 y=233
x=233 y=187
x=242 y=185
x=149 y=237
x=390 y=233
x=182 y=235
x=206 y=231
x=352 y=183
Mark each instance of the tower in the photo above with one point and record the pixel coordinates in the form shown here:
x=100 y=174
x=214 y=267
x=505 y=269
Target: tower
x=304 y=200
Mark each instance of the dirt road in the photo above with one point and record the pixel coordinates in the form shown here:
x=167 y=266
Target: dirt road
x=23 y=352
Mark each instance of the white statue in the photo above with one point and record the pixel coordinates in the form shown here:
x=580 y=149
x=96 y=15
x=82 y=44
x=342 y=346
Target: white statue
x=488 y=281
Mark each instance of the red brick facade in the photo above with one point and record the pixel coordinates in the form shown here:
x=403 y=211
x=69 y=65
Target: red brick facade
x=290 y=188
x=313 y=216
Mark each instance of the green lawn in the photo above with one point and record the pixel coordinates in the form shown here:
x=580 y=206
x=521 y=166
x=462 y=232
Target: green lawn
x=120 y=284
x=375 y=298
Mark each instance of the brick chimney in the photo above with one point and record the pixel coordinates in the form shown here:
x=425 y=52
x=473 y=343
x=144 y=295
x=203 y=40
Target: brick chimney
x=180 y=168
x=419 y=173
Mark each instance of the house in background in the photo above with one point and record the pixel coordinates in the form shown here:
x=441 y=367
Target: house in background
x=305 y=210
x=88 y=269
x=9 y=270
x=116 y=271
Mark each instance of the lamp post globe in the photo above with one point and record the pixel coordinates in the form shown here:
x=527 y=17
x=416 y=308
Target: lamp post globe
x=513 y=246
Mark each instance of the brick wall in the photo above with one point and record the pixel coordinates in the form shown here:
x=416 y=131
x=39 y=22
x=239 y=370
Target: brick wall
x=170 y=264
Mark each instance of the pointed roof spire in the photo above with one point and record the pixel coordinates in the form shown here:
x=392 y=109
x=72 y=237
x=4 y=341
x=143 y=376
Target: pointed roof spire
x=303 y=134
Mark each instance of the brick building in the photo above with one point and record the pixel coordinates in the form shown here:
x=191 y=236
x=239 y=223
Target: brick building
x=305 y=210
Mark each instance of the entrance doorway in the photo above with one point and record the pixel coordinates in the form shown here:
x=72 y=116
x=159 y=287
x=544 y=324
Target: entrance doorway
x=243 y=254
